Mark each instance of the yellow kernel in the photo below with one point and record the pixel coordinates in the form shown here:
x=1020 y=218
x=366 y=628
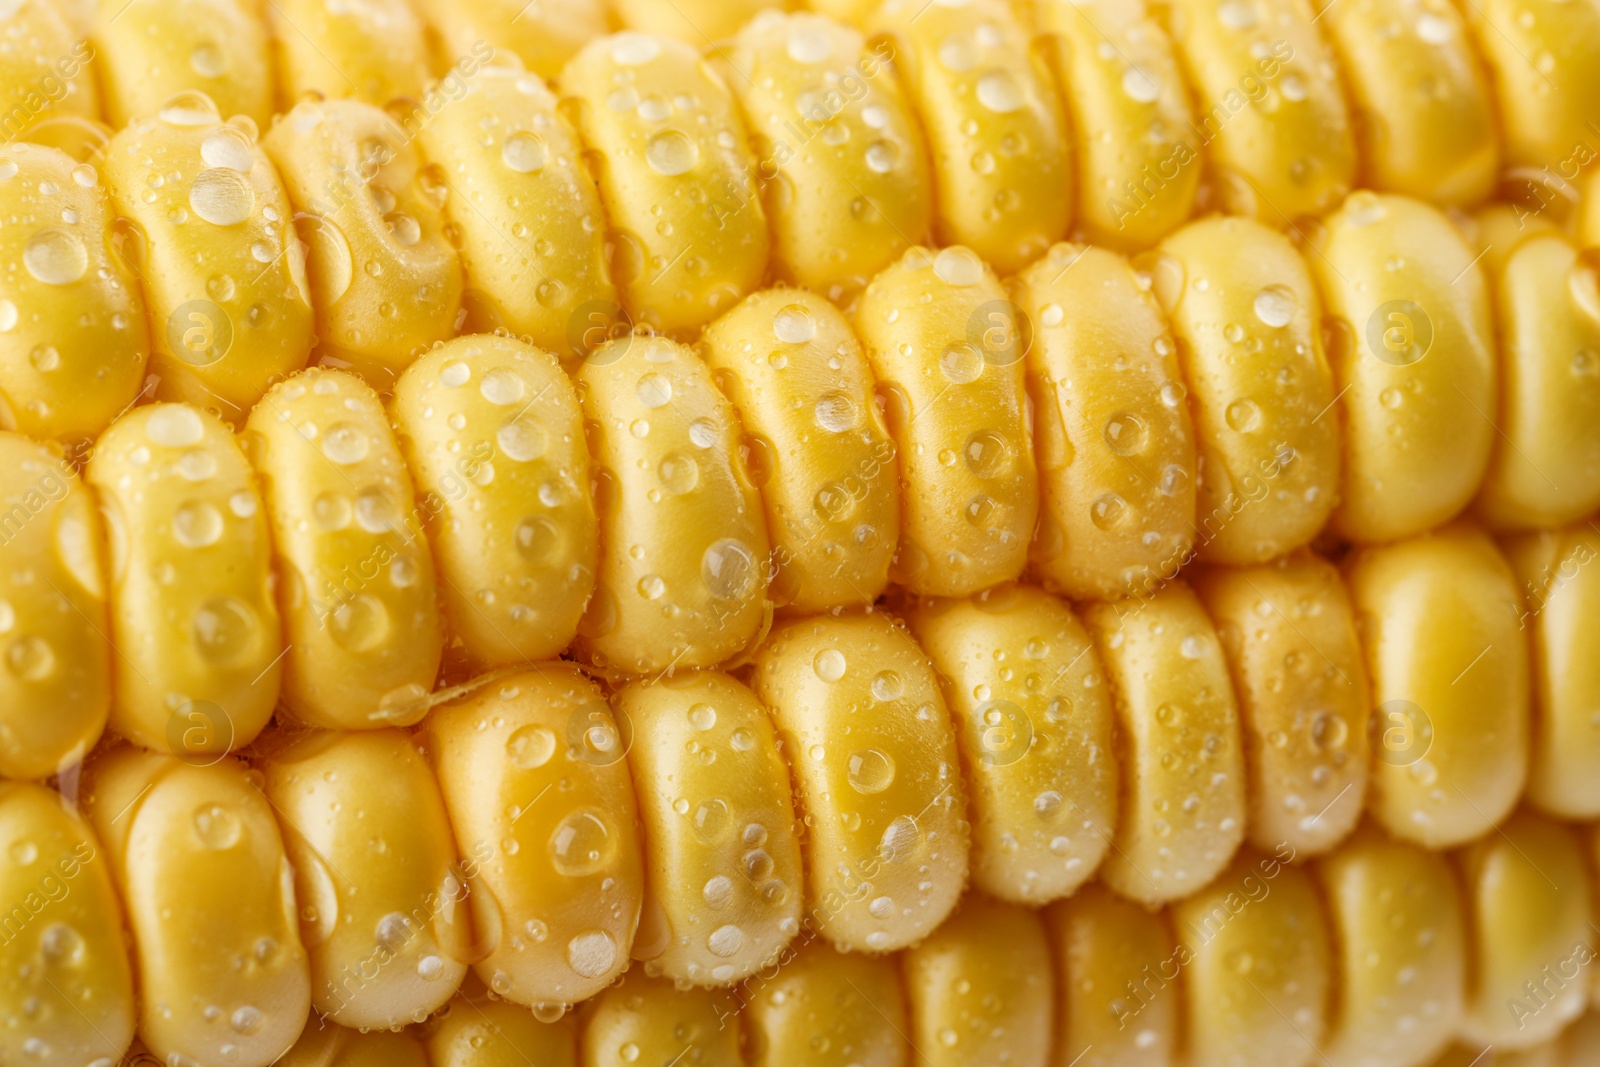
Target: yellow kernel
x=1258 y=972
x=1530 y=925
x=1545 y=468
x=45 y=69
x=944 y=343
x=981 y=988
x=830 y=1009
x=696 y=21
x=497 y=1033
x=1116 y=982
x=531 y=767
x=356 y=582
x=1412 y=347
x=676 y=176
x=373 y=51
x=1540 y=60
x=385 y=282
x=880 y=790
x=1033 y=723
x=1560 y=607
x=1183 y=793
x=326 y=1044
x=1395 y=914
x=1138 y=150
x=1247 y=321
x=55 y=688
x=73 y=341
x=1425 y=123
x=525 y=213
x=683 y=562
x=169 y=55
x=494 y=439
x=723 y=865
x=846 y=173
x=1439 y=618
x=1269 y=108
x=223 y=273
x=646 y=1020
x=64 y=971
x=193 y=619
x=1289 y=635
x=210 y=902
x=1112 y=433
x=541 y=36
x=817 y=442
x=382 y=913
x=1002 y=161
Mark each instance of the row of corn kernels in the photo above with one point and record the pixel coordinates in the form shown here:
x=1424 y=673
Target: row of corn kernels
x=850 y=165
x=1377 y=954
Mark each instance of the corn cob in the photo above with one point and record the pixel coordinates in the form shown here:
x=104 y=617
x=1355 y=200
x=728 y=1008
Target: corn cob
x=897 y=737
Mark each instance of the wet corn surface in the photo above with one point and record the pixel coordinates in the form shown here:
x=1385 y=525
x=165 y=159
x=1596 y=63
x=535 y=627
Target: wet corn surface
x=684 y=533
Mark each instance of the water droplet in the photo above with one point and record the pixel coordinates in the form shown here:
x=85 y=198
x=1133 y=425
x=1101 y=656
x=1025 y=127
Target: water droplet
x=678 y=473
x=582 y=844
x=702 y=716
x=961 y=363
x=725 y=941
x=882 y=156
x=227 y=147
x=958 y=266
x=225 y=631
x=197 y=524
x=634 y=49
x=793 y=325
x=1243 y=415
x=728 y=569
x=886 y=685
x=189 y=108
x=531 y=746
x=671 y=152
x=217 y=827
x=345 y=443
x=899 y=840
x=55 y=257
x=524 y=152
x=1140 y=86
x=1275 y=305
x=829 y=665
x=1108 y=510
x=222 y=197
x=1126 y=434
x=871 y=771
x=809 y=44
x=837 y=413
x=592 y=954
x=653 y=391
x=718 y=891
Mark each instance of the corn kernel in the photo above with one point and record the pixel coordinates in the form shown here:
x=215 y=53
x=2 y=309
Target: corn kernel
x=1412 y=346
x=82 y=137
x=210 y=901
x=223 y=272
x=1439 y=618
x=724 y=872
x=56 y=693
x=1271 y=114
x=882 y=797
x=356 y=580
x=1033 y=724
x=324 y=1044
x=1546 y=85
x=1258 y=965
x=646 y=1019
x=74 y=347
x=542 y=35
x=556 y=880
x=1545 y=469
x=489 y=426
x=525 y=214
x=818 y=445
x=700 y=22
x=676 y=176
x=1116 y=968
x=1289 y=635
x=682 y=579
x=1002 y=160
x=64 y=979
x=1424 y=121
x=1560 y=608
x=1530 y=929
x=829 y=1009
x=1112 y=434
x=154 y=55
x=372 y=51
x=1395 y=914
x=479 y=1032
x=1183 y=775
x=192 y=615
x=844 y=167
x=381 y=909
x=981 y=988
x=385 y=282
x=1139 y=153
x=942 y=338
x=44 y=68
x=1247 y=321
